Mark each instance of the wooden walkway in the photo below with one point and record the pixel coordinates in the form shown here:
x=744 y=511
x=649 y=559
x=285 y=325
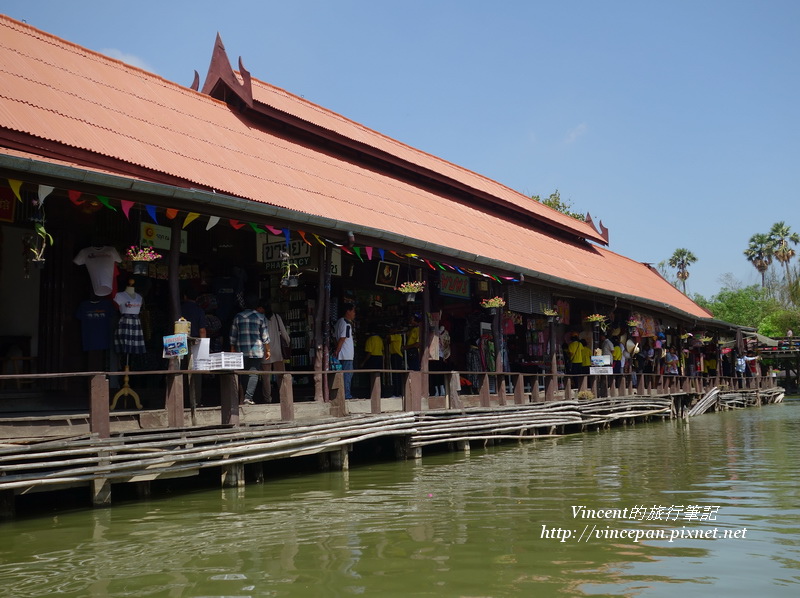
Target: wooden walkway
x=141 y=456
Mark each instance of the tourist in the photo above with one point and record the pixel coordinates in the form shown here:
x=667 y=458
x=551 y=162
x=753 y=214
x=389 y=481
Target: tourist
x=249 y=336
x=671 y=362
x=275 y=360
x=345 y=348
x=413 y=343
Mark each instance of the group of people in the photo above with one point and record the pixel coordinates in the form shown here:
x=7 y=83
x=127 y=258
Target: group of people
x=403 y=346
x=256 y=332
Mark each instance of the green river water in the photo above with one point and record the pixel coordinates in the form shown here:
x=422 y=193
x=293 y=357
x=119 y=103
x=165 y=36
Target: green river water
x=705 y=507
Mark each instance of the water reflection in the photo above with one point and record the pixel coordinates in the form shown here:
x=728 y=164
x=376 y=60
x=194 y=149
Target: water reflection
x=453 y=524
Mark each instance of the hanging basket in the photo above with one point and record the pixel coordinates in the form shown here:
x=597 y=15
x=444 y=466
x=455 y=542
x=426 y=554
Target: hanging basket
x=410 y=297
x=291 y=281
x=140 y=267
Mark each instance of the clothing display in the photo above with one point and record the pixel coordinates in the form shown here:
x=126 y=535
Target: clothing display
x=129 y=337
x=97 y=319
x=100 y=263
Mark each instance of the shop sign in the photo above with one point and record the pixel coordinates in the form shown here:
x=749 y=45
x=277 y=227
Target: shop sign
x=153 y=235
x=601 y=365
x=299 y=252
x=454 y=285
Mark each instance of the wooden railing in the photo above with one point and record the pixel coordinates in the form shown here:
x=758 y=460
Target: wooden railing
x=503 y=388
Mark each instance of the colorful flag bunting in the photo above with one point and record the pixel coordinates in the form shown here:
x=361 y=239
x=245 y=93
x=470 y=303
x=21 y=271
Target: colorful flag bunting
x=44 y=191
x=212 y=222
x=126 y=205
x=151 y=211
x=190 y=217
x=106 y=202
x=15 y=185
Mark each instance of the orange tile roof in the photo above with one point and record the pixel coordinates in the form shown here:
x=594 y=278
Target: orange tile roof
x=57 y=91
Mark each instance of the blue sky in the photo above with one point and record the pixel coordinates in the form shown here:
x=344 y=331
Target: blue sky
x=675 y=123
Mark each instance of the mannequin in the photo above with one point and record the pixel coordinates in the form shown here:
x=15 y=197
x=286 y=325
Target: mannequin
x=129 y=337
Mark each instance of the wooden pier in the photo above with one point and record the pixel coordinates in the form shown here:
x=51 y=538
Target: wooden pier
x=140 y=456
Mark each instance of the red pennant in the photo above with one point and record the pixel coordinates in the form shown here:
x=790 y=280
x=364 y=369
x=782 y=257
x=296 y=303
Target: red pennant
x=236 y=224
x=171 y=213
x=74 y=197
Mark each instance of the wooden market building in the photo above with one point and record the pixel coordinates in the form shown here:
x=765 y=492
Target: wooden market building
x=222 y=175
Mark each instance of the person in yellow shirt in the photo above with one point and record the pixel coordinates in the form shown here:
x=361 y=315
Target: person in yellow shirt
x=396 y=361
x=413 y=344
x=586 y=357
x=373 y=347
x=574 y=355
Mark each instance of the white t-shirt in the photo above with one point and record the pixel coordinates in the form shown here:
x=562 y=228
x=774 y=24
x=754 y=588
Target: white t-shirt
x=345 y=329
x=99 y=261
x=129 y=304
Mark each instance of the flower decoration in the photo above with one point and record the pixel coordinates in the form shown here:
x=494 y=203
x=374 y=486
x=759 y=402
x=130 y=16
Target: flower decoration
x=142 y=254
x=412 y=286
x=632 y=323
x=706 y=339
x=493 y=302
x=550 y=312
x=595 y=318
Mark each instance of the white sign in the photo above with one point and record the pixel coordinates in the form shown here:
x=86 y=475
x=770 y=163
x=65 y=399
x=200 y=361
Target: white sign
x=601 y=371
x=154 y=235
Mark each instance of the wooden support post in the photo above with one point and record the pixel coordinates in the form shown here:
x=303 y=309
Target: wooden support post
x=174 y=399
x=501 y=390
x=519 y=390
x=233 y=475
x=229 y=399
x=101 y=492
x=484 y=391
x=144 y=489
x=375 y=392
x=550 y=389
x=286 y=394
x=535 y=398
x=99 y=408
x=258 y=472
x=338 y=403
x=340 y=459
x=462 y=445
x=452 y=382
x=642 y=390
x=412 y=396
x=567 y=388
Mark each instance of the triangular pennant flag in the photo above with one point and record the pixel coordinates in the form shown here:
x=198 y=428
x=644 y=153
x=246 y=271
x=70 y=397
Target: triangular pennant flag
x=106 y=202
x=381 y=252
x=126 y=204
x=303 y=236
x=357 y=251
x=236 y=224
x=44 y=191
x=212 y=222
x=397 y=254
x=369 y=252
x=190 y=217
x=334 y=243
x=74 y=197
x=171 y=213
x=15 y=185
x=287 y=235
x=318 y=238
x=256 y=228
x=151 y=210
x=345 y=249
x=273 y=230
x=459 y=270
x=431 y=266
x=438 y=265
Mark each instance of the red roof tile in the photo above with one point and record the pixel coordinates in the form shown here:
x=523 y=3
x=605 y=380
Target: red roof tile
x=57 y=91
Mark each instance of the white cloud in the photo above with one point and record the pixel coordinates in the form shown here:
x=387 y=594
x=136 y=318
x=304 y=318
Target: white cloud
x=127 y=59
x=574 y=133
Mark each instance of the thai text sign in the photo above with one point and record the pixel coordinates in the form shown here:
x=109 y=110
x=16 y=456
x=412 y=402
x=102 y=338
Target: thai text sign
x=454 y=285
x=153 y=235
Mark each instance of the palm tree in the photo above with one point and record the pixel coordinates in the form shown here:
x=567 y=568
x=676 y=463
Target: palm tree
x=759 y=253
x=682 y=259
x=781 y=236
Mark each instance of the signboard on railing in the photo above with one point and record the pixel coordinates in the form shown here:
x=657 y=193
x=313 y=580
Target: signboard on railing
x=601 y=365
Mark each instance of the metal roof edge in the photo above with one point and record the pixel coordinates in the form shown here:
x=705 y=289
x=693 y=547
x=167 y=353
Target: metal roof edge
x=115 y=181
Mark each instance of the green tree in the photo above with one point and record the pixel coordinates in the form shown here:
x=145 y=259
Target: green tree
x=759 y=253
x=782 y=238
x=681 y=260
x=560 y=205
x=748 y=306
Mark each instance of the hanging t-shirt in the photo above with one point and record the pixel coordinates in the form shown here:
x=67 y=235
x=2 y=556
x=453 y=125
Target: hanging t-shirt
x=97 y=318
x=99 y=261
